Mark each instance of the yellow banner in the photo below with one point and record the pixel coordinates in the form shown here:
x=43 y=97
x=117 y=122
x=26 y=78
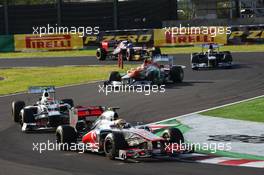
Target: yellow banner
x=47 y=42
x=165 y=37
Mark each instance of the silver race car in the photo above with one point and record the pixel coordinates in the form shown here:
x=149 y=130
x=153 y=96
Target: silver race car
x=118 y=139
x=211 y=58
x=46 y=113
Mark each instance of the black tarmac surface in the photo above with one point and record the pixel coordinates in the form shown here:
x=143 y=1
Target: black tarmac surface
x=200 y=90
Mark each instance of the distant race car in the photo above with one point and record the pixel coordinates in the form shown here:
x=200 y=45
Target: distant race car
x=159 y=70
x=211 y=58
x=47 y=113
x=111 y=49
x=118 y=139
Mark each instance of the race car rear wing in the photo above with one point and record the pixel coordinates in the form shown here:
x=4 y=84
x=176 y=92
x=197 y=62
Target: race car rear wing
x=41 y=89
x=208 y=45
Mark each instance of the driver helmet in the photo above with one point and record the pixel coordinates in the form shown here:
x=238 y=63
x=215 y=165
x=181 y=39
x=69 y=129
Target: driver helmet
x=120 y=123
x=46 y=94
x=211 y=48
x=110 y=115
x=46 y=97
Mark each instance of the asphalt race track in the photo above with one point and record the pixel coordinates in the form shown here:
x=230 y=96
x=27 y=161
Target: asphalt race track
x=200 y=90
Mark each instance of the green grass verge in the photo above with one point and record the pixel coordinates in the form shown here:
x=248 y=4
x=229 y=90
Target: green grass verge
x=69 y=53
x=19 y=79
x=237 y=48
x=166 y=50
x=251 y=110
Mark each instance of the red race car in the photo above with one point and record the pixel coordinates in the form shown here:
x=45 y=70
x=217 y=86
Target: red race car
x=111 y=49
x=118 y=139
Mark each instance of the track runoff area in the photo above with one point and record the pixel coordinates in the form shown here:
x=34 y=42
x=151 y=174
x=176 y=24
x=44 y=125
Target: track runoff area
x=221 y=141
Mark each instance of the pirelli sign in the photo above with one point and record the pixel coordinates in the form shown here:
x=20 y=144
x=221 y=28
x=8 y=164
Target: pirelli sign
x=246 y=35
x=138 y=37
x=47 y=42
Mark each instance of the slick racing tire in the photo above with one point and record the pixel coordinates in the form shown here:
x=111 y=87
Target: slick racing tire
x=17 y=106
x=177 y=74
x=113 y=143
x=129 y=54
x=101 y=54
x=227 y=57
x=66 y=136
x=68 y=101
x=115 y=76
x=194 y=60
x=28 y=115
x=174 y=135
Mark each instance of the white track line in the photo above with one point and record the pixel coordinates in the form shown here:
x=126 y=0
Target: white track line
x=216 y=160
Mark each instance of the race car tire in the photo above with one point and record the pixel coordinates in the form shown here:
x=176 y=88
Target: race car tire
x=17 y=106
x=177 y=74
x=28 y=115
x=68 y=101
x=66 y=136
x=115 y=76
x=113 y=143
x=174 y=135
x=194 y=58
x=129 y=54
x=101 y=54
x=227 y=57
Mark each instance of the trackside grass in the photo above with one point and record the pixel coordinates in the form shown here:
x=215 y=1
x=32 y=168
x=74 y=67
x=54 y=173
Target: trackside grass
x=237 y=48
x=166 y=50
x=251 y=110
x=19 y=79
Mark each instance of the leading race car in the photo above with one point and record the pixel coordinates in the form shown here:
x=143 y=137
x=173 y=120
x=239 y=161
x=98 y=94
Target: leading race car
x=159 y=70
x=129 y=52
x=48 y=113
x=211 y=58
x=118 y=139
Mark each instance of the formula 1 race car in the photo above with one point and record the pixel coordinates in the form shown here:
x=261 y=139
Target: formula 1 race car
x=211 y=58
x=47 y=113
x=111 y=49
x=159 y=70
x=118 y=139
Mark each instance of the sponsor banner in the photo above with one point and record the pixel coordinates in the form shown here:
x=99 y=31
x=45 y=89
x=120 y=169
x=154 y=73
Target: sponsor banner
x=246 y=35
x=138 y=37
x=163 y=37
x=6 y=43
x=47 y=42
